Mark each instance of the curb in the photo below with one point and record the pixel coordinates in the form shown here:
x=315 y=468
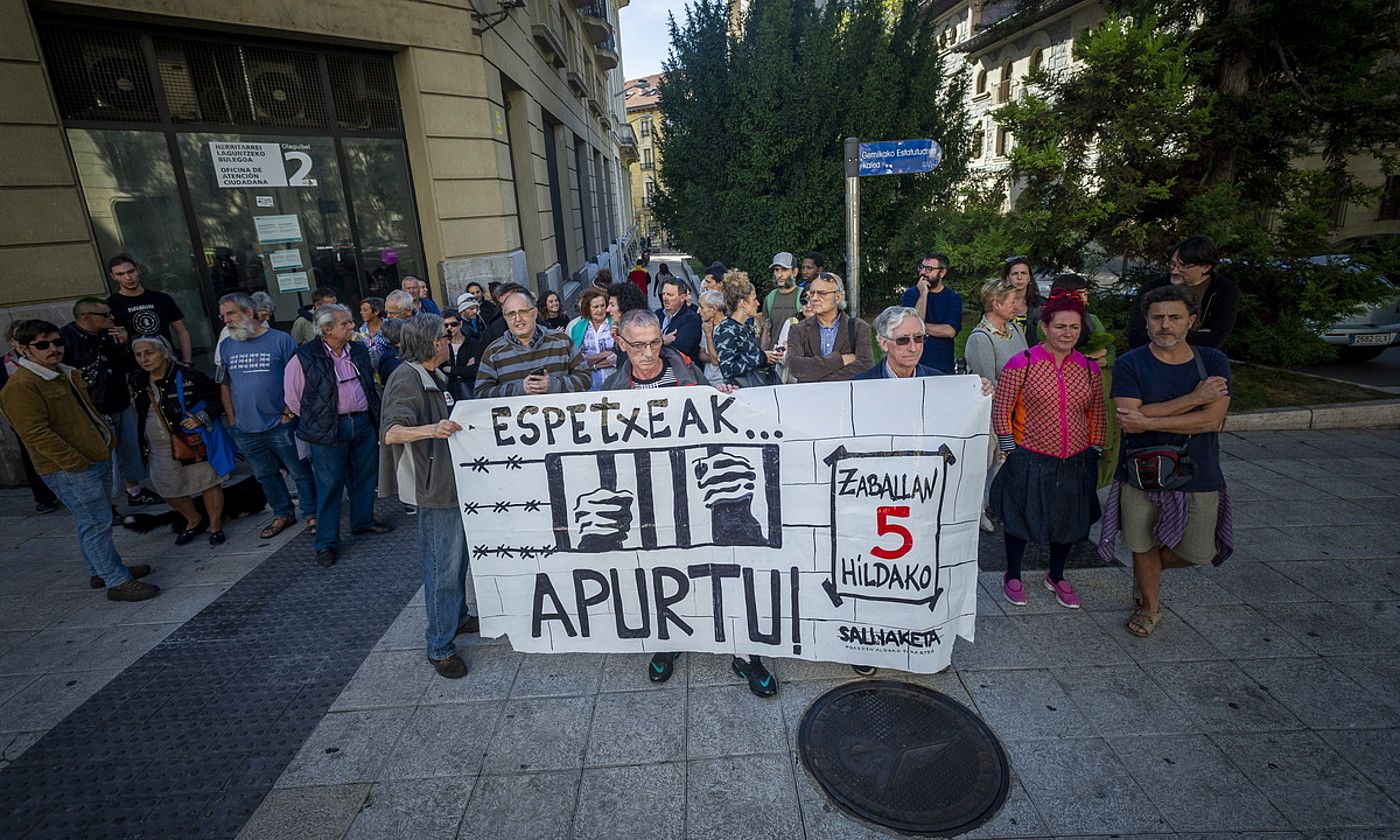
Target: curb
x=1370 y=414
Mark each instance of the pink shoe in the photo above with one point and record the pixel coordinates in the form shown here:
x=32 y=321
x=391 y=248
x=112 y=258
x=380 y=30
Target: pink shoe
x=1064 y=593
x=1014 y=591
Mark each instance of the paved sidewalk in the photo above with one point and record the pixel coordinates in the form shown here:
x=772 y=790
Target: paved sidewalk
x=1265 y=705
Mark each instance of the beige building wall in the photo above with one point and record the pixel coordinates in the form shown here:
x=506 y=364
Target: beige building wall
x=479 y=171
x=640 y=173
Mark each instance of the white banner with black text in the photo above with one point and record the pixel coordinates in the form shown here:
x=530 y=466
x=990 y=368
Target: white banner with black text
x=827 y=521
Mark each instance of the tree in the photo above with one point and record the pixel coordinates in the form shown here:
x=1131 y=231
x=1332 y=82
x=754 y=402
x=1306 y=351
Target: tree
x=1197 y=117
x=753 y=152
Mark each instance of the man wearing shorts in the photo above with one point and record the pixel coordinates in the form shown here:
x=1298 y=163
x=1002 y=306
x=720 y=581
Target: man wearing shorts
x=1169 y=394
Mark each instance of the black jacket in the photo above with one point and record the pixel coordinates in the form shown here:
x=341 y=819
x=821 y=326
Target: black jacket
x=1219 y=308
x=202 y=400
x=106 y=366
x=686 y=326
x=461 y=368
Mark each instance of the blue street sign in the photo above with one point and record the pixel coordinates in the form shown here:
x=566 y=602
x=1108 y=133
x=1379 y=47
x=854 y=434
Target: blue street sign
x=899 y=157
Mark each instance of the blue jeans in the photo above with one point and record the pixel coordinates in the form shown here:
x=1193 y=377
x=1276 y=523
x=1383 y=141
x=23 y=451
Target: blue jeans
x=351 y=465
x=442 y=546
x=267 y=453
x=126 y=456
x=84 y=492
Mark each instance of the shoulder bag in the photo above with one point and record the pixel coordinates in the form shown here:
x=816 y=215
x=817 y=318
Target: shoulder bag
x=1165 y=466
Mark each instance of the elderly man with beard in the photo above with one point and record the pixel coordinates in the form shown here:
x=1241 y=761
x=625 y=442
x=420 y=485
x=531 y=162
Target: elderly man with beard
x=253 y=361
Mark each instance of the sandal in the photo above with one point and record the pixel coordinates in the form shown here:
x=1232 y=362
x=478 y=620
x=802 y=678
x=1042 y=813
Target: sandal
x=277 y=526
x=1143 y=623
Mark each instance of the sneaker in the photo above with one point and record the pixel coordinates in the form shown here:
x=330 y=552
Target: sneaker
x=133 y=590
x=46 y=507
x=143 y=497
x=864 y=670
x=140 y=570
x=1064 y=593
x=986 y=524
x=761 y=682
x=453 y=668
x=662 y=666
x=1014 y=592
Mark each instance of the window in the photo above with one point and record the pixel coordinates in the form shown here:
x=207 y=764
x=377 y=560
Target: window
x=979 y=142
x=1004 y=85
x=647 y=161
x=1003 y=141
x=981 y=88
x=1390 y=200
x=648 y=193
x=646 y=126
x=1037 y=59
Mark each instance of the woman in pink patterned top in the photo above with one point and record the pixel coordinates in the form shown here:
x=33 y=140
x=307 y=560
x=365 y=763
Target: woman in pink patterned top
x=1048 y=415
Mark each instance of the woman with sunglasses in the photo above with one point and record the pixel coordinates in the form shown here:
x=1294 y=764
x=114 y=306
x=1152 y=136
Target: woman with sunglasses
x=1017 y=272
x=1046 y=491
x=172 y=402
x=48 y=405
x=461 y=363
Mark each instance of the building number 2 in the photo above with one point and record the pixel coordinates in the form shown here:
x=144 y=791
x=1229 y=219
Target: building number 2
x=884 y=526
x=298 y=178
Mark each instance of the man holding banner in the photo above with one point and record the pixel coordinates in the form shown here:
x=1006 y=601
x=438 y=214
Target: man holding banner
x=652 y=364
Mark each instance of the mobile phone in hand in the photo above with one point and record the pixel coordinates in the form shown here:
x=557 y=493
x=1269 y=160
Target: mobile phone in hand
x=539 y=372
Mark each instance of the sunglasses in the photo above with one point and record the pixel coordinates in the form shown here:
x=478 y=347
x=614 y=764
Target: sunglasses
x=44 y=345
x=451 y=325
x=903 y=340
x=1020 y=258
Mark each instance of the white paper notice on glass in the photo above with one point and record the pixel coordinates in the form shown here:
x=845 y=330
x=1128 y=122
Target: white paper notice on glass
x=293 y=281
x=284 y=260
x=277 y=230
x=248 y=164
x=265 y=201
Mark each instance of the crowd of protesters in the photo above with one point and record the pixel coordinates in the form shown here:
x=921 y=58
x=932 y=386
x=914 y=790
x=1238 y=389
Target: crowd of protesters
x=109 y=403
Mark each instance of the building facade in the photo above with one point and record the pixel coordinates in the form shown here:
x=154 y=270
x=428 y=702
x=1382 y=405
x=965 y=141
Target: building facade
x=275 y=146
x=643 y=102
x=1000 y=42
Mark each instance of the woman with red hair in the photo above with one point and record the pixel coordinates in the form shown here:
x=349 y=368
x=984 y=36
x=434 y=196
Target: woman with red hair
x=1045 y=493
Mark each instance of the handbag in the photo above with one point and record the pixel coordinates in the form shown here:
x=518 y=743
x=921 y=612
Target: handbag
x=757 y=378
x=1165 y=466
x=215 y=445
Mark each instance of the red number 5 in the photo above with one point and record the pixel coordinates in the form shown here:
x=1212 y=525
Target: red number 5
x=883 y=526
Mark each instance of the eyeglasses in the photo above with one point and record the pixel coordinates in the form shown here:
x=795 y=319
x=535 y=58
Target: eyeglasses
x=806 y=300
x=1178 y=265
x=923 y=267
x=451 y=325
x=1019 y=258
x=816 y=293
x=653 y=345
x=518 y=313
x=903 y=340
x=44 y=345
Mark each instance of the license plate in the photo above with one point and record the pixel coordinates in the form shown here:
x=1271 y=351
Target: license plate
x=1372 y=339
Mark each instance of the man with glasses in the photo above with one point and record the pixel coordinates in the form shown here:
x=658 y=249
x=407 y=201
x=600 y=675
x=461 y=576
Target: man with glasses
x=400 y=305
x=940 y=308
x=529 y=359
x=900 y=333
x=1194 y=263
x=98 y=348
x=48 y=405
x=329 y=386
x=832 y=345
x=650 y=363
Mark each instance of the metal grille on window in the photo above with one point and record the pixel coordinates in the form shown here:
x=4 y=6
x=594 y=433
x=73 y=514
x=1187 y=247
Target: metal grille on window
x=366 y=98
x=228 y=84
x=99 y=75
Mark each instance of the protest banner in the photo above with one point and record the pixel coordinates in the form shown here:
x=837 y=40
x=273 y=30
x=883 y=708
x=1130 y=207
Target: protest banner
x=825 y=521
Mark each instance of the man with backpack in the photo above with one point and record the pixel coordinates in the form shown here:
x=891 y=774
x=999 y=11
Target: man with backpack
x=783 y=302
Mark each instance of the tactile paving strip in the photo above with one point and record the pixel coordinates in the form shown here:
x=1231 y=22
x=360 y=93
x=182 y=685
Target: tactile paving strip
x=188 y=740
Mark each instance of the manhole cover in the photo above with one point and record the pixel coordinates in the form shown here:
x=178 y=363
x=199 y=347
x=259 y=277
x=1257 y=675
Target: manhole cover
x=904 y=756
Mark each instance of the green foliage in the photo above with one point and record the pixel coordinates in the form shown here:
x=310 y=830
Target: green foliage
x=1192 y=117
x=753 y=146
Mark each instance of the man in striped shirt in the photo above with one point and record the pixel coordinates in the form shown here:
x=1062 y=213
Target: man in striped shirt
x=528 y=359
